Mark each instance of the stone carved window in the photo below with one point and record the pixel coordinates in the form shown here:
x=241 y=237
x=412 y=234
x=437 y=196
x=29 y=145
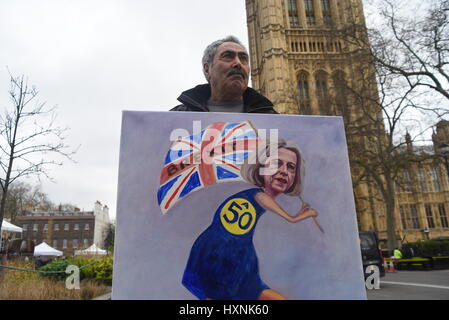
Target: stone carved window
x=403 y=218
x=422 y=179
x=322 y=92
x=326 y=9
x=304 y=92
x=415 y=218
x=429 y=216
x=310 y=12
x=341 y=93
x=297 y=46
x=293 y=14
x=443 y=217
x=435 y=179
x=407 y=181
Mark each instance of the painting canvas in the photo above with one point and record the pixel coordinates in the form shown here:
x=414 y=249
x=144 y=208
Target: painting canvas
x=235 y=206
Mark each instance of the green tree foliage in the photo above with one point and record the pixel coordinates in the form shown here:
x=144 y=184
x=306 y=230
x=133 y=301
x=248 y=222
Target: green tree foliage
x=95 y=268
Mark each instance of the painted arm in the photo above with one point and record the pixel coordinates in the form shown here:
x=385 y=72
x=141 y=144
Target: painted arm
x=270 y=204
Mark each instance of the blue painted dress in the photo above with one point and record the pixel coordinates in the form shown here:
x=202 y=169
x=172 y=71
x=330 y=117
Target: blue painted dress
x=223 y=262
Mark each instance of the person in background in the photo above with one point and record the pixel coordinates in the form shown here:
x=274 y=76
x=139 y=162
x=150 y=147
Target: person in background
x=397 y=254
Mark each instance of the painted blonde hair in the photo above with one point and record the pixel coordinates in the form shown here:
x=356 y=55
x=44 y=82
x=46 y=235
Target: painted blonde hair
x=250 y=170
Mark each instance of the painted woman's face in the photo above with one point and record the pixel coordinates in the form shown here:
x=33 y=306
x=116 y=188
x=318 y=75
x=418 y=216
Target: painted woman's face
x=284 y=177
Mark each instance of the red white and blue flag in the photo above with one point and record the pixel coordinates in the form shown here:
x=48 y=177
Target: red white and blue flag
x=211 y=156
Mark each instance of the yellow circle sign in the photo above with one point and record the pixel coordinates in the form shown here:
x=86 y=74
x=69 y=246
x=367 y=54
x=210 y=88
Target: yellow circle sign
x=238 y=216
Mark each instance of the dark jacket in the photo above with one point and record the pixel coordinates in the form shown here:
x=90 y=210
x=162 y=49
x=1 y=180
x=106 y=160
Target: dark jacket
x=196 y=100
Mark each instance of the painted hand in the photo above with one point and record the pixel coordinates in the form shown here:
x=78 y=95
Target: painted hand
x=304 y=207
x=311 y=213
x=307 y=211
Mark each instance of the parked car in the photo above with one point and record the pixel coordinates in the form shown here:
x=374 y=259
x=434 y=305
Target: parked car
x=371 y=252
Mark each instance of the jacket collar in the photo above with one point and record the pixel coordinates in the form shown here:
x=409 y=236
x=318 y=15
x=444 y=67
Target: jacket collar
x=198 y=96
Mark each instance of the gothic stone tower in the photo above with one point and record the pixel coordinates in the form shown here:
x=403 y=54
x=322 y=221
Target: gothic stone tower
x=300 y=61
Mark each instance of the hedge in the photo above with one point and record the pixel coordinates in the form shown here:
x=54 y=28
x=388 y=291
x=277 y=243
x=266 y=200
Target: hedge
x=90 y=268
x=429 y=248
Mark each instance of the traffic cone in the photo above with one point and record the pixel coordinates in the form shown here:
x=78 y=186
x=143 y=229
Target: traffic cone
x=391 y=267
x=386 y=268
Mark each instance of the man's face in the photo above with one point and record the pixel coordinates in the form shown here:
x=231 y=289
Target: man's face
x=285 y=172
x=228 y=74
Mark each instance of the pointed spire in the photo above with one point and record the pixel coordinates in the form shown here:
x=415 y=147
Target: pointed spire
x=408 y=141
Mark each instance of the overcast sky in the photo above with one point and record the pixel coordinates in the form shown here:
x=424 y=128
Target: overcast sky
x=94 y=59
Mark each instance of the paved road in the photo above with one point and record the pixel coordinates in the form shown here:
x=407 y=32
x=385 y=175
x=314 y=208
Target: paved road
x=412 y=285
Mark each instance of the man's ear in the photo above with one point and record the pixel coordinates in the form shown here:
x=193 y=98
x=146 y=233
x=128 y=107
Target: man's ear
x=206 y=71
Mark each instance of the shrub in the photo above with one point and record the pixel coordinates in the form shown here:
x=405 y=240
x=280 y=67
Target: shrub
x=429 y=248
x=90 y=268
x=55 y=269
x=87 y=268
x=103 y=269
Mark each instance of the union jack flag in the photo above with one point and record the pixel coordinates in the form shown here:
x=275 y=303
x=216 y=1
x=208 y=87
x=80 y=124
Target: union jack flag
x=211 y=156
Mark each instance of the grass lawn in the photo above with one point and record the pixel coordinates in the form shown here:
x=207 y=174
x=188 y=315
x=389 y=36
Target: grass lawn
x=19 y=285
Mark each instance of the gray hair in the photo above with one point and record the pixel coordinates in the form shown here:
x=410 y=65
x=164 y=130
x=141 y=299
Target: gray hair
x=209 y=52
x=250 y=169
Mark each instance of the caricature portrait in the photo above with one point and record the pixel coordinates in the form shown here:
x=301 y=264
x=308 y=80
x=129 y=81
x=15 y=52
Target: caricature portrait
x=235 y=215
x=223 y=262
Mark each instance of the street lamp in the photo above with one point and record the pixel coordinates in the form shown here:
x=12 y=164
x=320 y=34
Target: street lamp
x=444 y=149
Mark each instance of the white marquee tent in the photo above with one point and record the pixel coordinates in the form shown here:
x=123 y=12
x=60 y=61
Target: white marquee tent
x=45 y=250
x=92 y=250
x=9 y=227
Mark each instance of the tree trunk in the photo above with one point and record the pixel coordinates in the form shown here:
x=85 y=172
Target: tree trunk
x=3 y=255
x=2 y=209
x=3 y=205
x=391 y=224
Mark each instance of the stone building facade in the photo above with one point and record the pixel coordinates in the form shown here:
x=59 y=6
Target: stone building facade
x=66 y=231
x=423 y=194
x=300 y=62
x=296 y=59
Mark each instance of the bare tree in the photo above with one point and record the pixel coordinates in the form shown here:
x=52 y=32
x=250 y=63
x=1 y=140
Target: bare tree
x=67 y=207
x=413 y=42
x=409 y=49
x=22 y=197
x=401 y=65
x=17 y=200
x=28 y=137
x=381 y=133
x=38 y=199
